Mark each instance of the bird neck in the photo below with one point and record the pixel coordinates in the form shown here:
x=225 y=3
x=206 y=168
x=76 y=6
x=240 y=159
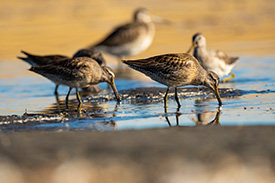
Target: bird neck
x=201 y=78
x=107 y=75
x=201 y=45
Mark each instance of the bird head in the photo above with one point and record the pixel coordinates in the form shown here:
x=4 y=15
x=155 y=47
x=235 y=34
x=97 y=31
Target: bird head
x=91 y=53
x=212 y=81
x=198 y=40
x=110 y=79
x=142 y=15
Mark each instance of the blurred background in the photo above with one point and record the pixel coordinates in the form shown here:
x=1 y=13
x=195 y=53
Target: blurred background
x=64 y=26
x=242 y=28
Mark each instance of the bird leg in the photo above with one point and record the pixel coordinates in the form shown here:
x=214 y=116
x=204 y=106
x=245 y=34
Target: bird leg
x=177 y=98
x=57 y=103
x=78 y=97
x=228 y=78
x=168 y=121
x=55 y=91
x=79 y=108
x=165 y=100
x=177 y=115
x=216 y=121
x=67 y=97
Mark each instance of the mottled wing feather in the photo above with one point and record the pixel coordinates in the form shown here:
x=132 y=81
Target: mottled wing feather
x=123 y=34
x=166 y=65
x=50 y=59
x=65 y=69
x=170 y=69
x=50 y=71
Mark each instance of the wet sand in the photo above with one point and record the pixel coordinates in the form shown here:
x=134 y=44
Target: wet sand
x=58 y=112
x=177 y=154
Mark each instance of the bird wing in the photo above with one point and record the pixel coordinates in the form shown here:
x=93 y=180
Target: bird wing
x=123 y=34
x=223 y=56
x=162 y=64
x=51 y=71
x=66 y=69
x=43 y=60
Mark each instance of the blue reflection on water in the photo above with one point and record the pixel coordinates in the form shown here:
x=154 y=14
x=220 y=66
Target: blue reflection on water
x=255 y=76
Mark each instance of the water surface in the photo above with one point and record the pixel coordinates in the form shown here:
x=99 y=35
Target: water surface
x=250 y=103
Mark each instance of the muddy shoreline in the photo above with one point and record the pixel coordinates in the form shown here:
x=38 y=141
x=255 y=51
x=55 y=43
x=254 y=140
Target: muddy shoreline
x=200 y=154
x=98 y=118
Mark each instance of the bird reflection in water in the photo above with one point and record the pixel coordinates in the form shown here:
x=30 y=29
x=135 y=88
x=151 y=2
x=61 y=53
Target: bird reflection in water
x=177 y=118
x=90 y=109
x=203 y=117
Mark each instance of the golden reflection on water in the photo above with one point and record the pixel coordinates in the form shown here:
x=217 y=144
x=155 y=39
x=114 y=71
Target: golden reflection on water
x=64 y=26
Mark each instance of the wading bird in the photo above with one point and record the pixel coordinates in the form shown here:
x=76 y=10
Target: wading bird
x=176 y=70
x=212 y=60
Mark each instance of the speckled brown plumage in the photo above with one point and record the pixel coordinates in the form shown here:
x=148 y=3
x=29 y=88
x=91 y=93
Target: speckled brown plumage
x=77 y=73
x=175 y=70
x=37 y=60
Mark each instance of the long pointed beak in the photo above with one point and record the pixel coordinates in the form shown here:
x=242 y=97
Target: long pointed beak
x=218 y=96
x=216 y=121
x=191 y=48
x=160 y=20
x=112 y=83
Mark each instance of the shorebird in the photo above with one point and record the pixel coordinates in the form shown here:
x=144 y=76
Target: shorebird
x=91 y=53
x=38 y=60
x=175 y=70
x=212 y=60
x=132 y=38
x=77 y=73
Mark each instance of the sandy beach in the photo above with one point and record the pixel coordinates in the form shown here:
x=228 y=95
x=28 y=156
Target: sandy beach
x=176 y=154
x=62 y=27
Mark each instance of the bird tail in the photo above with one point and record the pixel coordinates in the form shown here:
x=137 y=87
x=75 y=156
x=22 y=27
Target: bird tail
x=29 y=59
x=23 y=58
x=233 y=60
x=27 y=54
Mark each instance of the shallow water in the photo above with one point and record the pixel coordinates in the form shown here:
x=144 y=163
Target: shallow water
x=251 y=102
x=58 y=26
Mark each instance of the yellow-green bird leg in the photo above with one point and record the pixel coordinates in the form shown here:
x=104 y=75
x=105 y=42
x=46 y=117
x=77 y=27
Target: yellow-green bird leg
x=67 y=97
x=165 y=100
x=228 y=78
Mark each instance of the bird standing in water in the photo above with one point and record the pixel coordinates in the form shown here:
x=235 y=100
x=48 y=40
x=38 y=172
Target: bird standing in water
x=38 y=60
x=77 y=73
x=212 y=60
x=132 y=38
x=176 y=70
